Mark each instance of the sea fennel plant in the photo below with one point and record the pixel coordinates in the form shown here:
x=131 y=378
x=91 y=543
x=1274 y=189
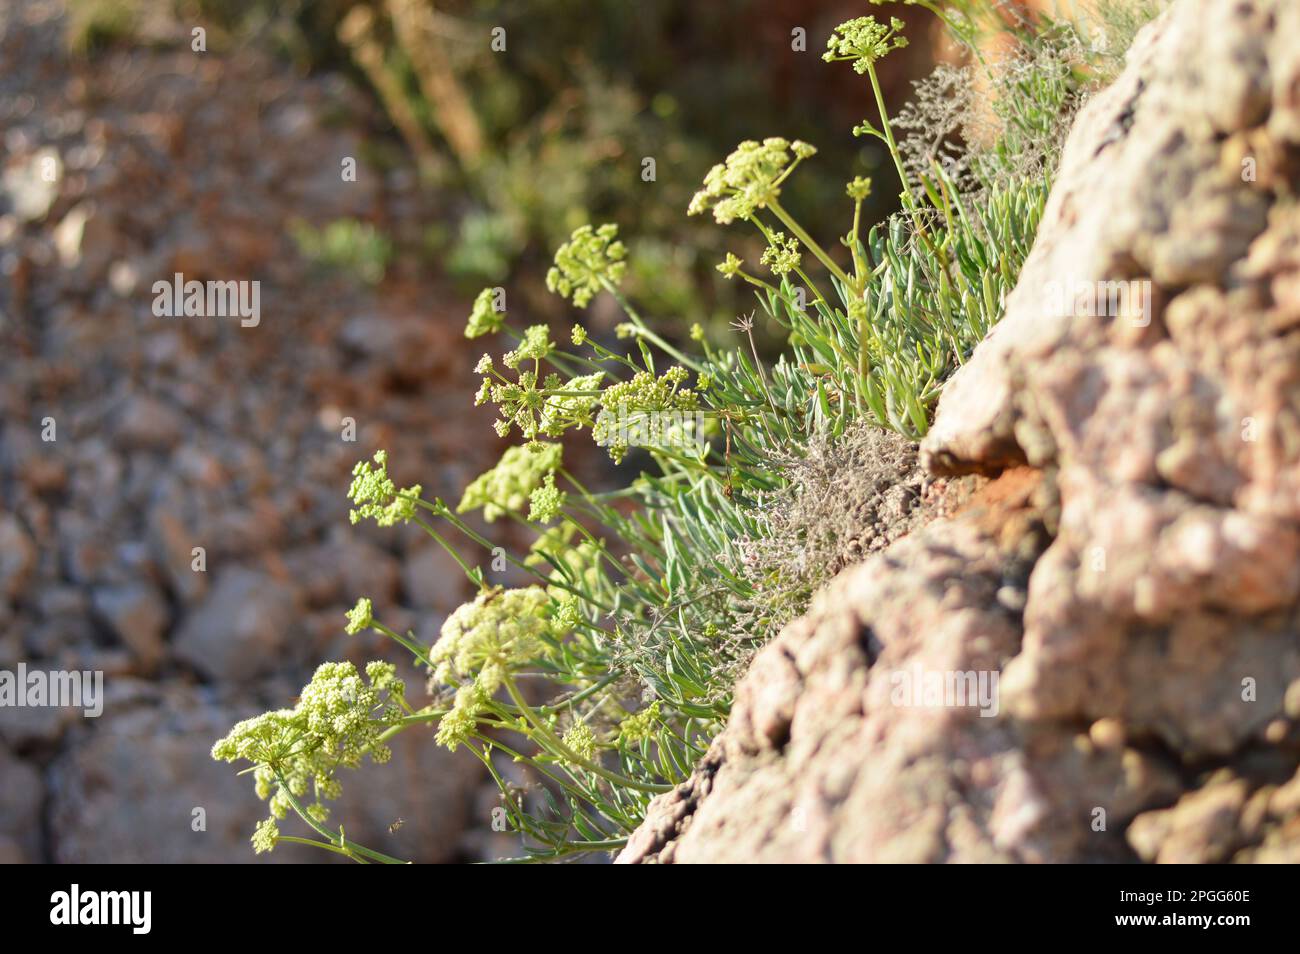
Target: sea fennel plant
x=641 y=609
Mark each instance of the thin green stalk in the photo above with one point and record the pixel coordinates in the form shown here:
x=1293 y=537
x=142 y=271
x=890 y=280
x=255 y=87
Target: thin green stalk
x=339 y=840
x=295 y=840
x=646 y=332
x=554 y=742
x=415 y=650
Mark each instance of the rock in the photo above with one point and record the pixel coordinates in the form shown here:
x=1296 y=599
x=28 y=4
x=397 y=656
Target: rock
x=62 y=600
x=148 y=424
x=138 y=616
x=24 y=728
x=22 y=799
x=31 y=185
x=69 y=233
x=173 y=547
x=1200 y=829
x=173 y=435
x=17 y=557
x=431 y=579
x=1154 y=564
x=365 y=569
x=825 y=758
x=345 y=568
x=50 y=639
x=240 y=630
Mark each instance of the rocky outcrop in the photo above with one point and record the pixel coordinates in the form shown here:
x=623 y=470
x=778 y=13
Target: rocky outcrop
x=1127 y=586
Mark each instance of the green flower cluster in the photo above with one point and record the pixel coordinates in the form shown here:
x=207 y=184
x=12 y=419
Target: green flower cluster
x=859 y=188
x=547 y=410
x=337 y=721
x=627 y=401
x=641 y=726
x=507 y=486
x=730 y=266
x=864 y=40
x=484 y=318
x=360 y=617
x=375 y=494
x=581 y=740
x=537 y=406
x=265 y=836
x=483 y=642
x=591 y=260
x=545 y=502
x=571 y=407
x=644 y=392
x=535 y=346
x=750 y=179
x=782 y=256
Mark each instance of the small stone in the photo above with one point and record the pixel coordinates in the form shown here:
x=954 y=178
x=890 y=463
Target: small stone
x=148 y=424
x=1107 y=734
x=22 y=798
x=29 y=189
x=138 y=616
x=241 y=629
x=17 y=556
x=431 y=579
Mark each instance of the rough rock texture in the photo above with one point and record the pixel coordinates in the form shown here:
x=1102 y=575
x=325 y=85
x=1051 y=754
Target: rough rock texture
x=1132 y=575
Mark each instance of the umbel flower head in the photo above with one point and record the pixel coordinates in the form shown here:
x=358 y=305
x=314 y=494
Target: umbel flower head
x=547 y=409
x=535 y=346
x=864 y=40
x=265 y=836
x=545 y=502
x=481 y=643
x=625 y=406
x=587 y=262
x=484 y=318
x=730 y=266
x=644 y=392
x=641 y=726
x=749 y=179
x=581 y=740
x=859 y=188
x=782 y=256
x=360 y=617
x=375 y=494
x=338 y=721
x=572 y=408
x=507 y=486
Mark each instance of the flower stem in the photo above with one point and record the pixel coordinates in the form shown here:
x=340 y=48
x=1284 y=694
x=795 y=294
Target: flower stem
x=349 y=847
x=554 y=742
